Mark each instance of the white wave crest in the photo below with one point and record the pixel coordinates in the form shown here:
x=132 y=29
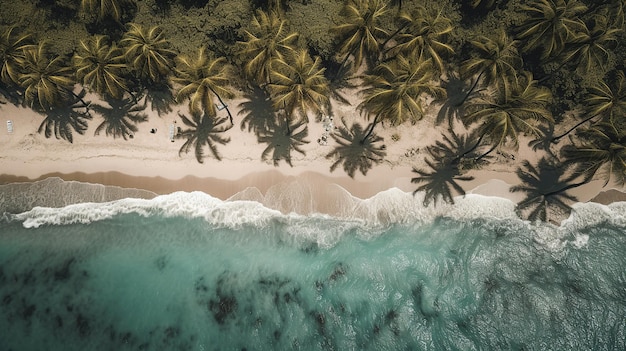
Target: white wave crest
x=391 y=206
x=190 y=205
x=364 y=217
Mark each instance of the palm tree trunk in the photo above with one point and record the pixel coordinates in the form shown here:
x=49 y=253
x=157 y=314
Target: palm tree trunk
x=132 y=95
x=556 y=139
x=486 y=153
x=85 y=104
x=471 y=90
x=219 y=98
x=458 y=158
x=343 y=62
x=391 y=37
x=371 y=129
x=568 y=187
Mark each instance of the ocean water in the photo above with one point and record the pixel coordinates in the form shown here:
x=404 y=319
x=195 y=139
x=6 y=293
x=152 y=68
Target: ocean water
x=190 y=272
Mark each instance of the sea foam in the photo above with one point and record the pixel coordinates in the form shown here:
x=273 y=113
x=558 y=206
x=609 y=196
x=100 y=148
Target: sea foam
x=389 y=207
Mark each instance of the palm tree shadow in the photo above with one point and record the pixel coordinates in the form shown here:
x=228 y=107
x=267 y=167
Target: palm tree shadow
x=439 y=181
x=258 y=111
x=466 y=151
x=9 y=94
x=62 y=119
x=203 y=130
x=121 y=117
x=546 y=187
x=544 y=141
x=282 y=137
x=448 y=160
x=160 y=97
x=338 y=81
x=458 y=92
x=356 y=151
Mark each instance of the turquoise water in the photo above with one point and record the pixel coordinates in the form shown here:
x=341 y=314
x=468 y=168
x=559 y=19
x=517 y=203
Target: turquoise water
x=190 y=272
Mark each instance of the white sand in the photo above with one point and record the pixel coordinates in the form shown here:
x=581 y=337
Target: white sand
x=28 y=154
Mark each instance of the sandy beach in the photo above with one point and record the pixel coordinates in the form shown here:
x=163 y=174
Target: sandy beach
x=150 y=160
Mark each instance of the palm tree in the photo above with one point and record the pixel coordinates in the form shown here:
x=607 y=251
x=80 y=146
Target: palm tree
x=61 y=120
x=280 y=144
x=267 y=41
x=394 y=91
x=590 y=47
x=355 y=150
x=546 y=189
x=599 y=147
x=47 y=82
x=497 y=60
x=147 y=52
x=202 y=78
x=298 y=85
x=604 y=101
x=423 y=33
x=608 y=100
x=12 y=47
x=104 y=8
x=511 y=112
x=204 y=129
x=361 y=31
x=120 y=118
x=100 y=67
x=551 y=24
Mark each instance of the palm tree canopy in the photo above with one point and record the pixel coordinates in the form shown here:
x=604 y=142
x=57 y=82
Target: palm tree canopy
x=496 y=58
x=47 y=81
x=425 y=34
x=590 y=46
x=267 y=41
x=299 y=84
x=202 y=77
x=508 y=113
x=147 y=52
x=12 y=47
x=608 y=99
x=551 y=25
x=395 y=90
x=204 y=129
x=601 y=146
x=361 y=31
x=99 y=67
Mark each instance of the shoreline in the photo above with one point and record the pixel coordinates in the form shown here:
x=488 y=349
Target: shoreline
x=315 y=192
x=150 y=162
